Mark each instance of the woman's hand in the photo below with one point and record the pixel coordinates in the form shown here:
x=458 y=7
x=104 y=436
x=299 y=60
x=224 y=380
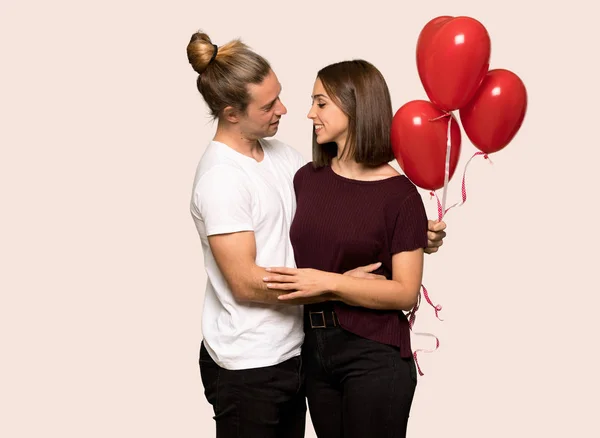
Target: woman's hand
x=303 y=283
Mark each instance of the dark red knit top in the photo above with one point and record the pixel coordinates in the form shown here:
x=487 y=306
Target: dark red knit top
x=342 y=223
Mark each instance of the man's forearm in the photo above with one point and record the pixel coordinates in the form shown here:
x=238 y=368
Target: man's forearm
x=254 y=290
x=311 y=300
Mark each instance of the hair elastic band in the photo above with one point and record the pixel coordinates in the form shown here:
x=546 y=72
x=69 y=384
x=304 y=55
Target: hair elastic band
x=214 y=55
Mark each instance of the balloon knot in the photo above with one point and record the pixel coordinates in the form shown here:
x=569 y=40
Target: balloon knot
x=446 y=114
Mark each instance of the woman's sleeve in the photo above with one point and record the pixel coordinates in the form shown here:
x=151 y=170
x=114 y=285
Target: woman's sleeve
x=410 y=228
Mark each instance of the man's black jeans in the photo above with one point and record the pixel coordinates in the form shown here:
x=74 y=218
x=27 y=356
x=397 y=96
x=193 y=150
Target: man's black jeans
x=264 y=402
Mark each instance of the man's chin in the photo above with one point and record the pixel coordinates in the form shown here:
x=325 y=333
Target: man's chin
x=272 y=131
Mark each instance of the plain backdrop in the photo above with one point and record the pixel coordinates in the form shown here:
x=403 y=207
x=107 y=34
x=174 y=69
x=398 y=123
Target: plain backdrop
x=102 y=277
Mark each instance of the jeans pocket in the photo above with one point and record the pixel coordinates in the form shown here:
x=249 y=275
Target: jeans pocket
x=412 y=368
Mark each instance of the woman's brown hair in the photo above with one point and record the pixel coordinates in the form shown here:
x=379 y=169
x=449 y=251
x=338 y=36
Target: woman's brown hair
x=360 y=91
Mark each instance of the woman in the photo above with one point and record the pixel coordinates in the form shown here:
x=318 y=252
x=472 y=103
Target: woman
x=354 y=208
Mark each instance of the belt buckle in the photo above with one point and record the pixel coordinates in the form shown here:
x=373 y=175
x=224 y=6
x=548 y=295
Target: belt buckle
x=322 y=313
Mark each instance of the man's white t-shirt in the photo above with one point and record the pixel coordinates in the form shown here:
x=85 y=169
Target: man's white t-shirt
x=233 y=193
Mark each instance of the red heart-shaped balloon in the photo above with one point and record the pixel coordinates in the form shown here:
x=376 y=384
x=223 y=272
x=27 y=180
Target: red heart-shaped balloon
x=453 y=57
x=419 y=143
x=496 y=113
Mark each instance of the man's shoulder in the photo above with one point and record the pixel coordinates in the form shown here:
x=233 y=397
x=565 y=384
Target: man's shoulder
x=218 y=178
x=281 y=149
x=276 y=144
x=215 y=159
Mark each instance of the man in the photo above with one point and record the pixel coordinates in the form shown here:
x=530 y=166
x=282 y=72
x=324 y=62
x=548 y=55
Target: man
x=243 y=203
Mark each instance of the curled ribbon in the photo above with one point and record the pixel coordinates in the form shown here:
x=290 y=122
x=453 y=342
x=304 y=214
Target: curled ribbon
x=421 y=350
x=411 y=322
x=441 y=207
x=441 y=211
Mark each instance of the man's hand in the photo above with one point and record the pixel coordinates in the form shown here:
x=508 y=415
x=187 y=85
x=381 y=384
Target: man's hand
x=435 y=236
x=365 y=272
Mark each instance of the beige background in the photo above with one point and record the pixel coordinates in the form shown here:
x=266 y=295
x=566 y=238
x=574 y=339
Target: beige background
x=101 y=268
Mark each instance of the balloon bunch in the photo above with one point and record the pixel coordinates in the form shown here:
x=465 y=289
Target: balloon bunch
x=453 y=55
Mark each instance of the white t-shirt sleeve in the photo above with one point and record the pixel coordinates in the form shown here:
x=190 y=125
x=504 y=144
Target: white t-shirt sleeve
x=224 y=201
x=299 y=159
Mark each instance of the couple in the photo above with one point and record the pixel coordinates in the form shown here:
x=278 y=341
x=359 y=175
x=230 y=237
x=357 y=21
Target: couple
x=309 y=265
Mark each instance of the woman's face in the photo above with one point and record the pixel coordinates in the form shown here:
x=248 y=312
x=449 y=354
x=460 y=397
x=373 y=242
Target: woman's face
x=329 y=121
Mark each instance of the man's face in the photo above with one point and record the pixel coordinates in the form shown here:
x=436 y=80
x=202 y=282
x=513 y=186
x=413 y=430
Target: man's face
x=264 y=110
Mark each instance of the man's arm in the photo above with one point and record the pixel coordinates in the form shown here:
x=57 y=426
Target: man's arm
x=235 y=254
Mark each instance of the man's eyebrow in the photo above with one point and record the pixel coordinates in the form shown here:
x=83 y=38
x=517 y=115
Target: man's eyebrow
x=274 y=100
x=270 y=103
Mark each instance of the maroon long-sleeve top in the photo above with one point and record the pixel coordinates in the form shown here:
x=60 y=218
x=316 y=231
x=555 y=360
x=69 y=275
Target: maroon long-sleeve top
x=342 y=223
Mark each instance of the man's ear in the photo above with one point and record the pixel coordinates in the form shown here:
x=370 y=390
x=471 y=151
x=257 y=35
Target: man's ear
x=231 y=114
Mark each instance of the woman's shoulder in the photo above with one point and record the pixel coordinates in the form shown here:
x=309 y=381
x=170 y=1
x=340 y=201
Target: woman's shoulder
x=397 y=179
x=400 y=187
x=304 y=173
x=310 y=169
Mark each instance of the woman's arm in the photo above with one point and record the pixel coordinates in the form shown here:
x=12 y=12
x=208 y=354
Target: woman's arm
x=399 y=293
x=364 y=272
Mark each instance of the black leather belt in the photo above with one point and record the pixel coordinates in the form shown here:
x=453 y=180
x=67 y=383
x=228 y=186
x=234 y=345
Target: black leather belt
x=321 y=319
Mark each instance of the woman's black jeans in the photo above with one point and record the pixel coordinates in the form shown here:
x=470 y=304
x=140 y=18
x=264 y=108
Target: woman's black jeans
x=356 y=388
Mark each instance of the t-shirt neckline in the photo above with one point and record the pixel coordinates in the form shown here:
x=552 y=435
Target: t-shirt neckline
x=239 y=156
x=359 y=181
